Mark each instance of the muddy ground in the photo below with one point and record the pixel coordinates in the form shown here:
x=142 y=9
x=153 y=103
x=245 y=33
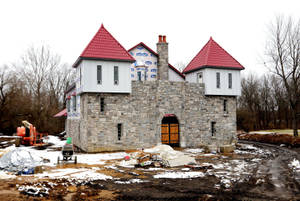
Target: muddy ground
x=265 y=175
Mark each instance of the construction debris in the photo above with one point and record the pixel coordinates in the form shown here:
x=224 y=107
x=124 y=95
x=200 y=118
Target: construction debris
x=6 y=141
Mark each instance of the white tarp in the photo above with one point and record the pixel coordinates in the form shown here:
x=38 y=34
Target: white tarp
x=172 y=157
x=18 y=159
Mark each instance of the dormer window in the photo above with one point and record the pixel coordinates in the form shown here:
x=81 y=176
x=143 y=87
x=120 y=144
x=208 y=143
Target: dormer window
x=116 y=75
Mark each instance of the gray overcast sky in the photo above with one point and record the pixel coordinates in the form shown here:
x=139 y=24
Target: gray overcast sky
x=240 y=27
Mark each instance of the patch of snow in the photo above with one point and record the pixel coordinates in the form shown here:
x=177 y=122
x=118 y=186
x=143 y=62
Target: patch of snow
x=194 y=151
x=72 y=173
x=130 y=181
x=295 y=164
x=152 y=169
x=128 y=164
x=5 y=175
x=226 y=182
x=179 y=175
x=99 y=159
x=55 y=141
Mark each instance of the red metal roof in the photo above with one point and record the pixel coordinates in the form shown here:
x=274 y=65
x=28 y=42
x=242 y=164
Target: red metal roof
x=104 y=46
x=61 y=113
x=145 y=46
x=213 y=55
x=153 y=52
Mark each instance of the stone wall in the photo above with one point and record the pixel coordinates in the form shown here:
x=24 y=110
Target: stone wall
x=142 y=111
x=163 y=61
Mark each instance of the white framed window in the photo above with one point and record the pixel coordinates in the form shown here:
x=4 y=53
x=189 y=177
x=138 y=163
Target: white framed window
x=218 y=81
x=200 y=77
x=68 y=105
x=74 y=103
x=230 y=80
x=116 y=75
x=99 y=74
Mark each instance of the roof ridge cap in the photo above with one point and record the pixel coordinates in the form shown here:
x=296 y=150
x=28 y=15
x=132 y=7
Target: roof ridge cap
x=209 y=47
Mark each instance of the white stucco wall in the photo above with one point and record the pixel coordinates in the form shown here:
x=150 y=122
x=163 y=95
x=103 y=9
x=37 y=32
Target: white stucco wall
x=209 y=79
x=173 y=76
x=89 y=77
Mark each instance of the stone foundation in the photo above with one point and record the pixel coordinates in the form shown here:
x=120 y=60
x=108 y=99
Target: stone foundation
x=142 y=111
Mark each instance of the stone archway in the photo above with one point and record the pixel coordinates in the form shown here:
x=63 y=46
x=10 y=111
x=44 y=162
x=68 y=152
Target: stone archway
x=170 y=130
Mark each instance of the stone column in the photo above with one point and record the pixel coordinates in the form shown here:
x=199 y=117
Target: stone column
x=163 y=59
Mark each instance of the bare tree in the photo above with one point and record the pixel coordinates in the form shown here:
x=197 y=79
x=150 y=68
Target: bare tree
x=4 y=84
x=283 y=50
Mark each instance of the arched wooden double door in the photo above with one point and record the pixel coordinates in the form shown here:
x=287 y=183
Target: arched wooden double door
x=170 y=130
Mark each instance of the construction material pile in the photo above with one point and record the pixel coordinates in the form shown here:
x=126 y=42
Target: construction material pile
x=158 y=156
x=19 y=160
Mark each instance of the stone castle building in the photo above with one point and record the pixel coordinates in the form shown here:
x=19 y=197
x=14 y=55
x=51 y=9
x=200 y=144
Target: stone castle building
x=131 y=99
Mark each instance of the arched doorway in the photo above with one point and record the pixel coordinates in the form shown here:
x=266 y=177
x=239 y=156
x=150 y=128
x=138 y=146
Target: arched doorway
x=170 y=130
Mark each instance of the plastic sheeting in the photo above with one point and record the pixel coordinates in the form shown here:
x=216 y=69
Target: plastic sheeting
x=19 y=159
x=172 y=157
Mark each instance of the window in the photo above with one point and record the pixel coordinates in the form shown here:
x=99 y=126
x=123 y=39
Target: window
x=225 y=106
x=80 y=75
x=99 y=74
x=101 y=104
x=139 y=74
x=74 y=103
x=230 y=80
x=213 y=128
x=145 y=76
x=199 y=77
x=218 y=80
x=119 y=131
x=116 y=75
x=68 y=105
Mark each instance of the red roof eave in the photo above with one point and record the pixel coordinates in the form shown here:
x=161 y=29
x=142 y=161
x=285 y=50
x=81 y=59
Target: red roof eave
x=145 y=46
x=61 y=113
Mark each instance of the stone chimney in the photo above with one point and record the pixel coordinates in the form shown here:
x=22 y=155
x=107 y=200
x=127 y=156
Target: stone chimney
x=163 y=58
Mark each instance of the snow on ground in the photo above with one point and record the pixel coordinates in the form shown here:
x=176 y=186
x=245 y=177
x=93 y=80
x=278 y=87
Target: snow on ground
x=90 y=159
x=74 y=173
x=6 y=175
x=131 y=181
x=194 y=151
x=295 y=165
x=179 y=175
x=55 y=141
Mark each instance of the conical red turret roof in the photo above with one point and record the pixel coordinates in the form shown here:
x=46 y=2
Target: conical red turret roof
x=214 y=56
x=104 y=46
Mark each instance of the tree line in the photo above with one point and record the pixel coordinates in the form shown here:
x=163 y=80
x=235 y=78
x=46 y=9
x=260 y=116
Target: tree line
x=273 y=100
x=33 y=89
